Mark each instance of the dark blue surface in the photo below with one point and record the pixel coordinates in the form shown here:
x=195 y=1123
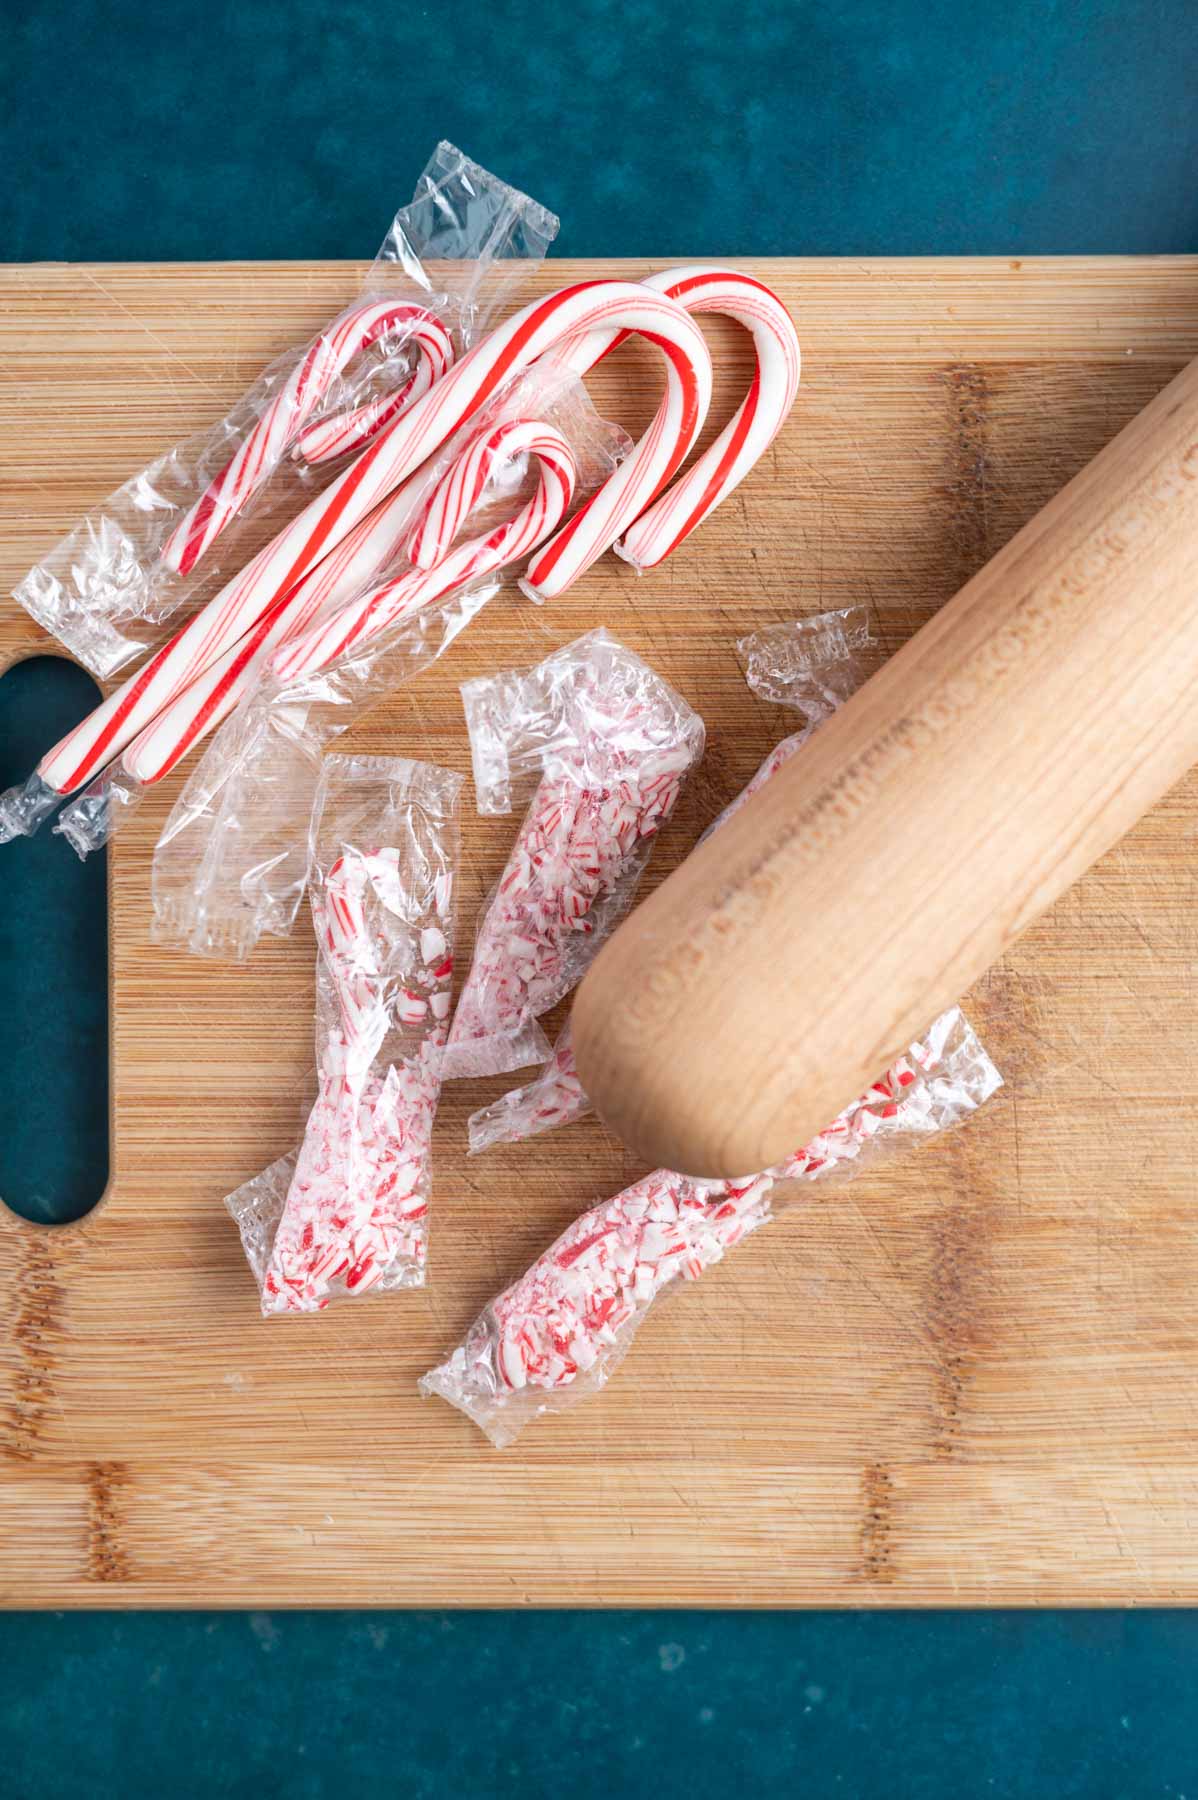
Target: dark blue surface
x=596 y=1707
x=179 y=130
x=176 y=131
x=54 y=961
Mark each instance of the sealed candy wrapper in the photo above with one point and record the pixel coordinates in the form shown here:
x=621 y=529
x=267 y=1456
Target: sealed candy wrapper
x=231 y=863
x=611 y=743
x=457 y=253
x=347 y=1212
x=812 y=665
x=559 y=1332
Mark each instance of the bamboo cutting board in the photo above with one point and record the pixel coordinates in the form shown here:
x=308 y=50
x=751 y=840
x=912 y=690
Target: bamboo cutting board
x=968 y=1378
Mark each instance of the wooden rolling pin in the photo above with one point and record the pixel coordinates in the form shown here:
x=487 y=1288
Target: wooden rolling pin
x=1008 y=745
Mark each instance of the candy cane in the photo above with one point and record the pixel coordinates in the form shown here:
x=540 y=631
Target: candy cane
x=743 y=440
x=314 y=624
x=529 y=334
x=572 y=870
x=393 y=455
x=462 y=487
x=582 y=836
x=205 y=702
x=612 y=743
x=453 y=499
x=612 y=1262
x=344 y=432
x=306 y=386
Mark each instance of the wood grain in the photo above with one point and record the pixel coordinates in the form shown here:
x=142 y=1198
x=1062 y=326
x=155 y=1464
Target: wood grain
x=985 y=767
x=972 y=1378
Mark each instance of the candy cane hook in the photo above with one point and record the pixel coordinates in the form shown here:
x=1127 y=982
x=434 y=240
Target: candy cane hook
x=707 y=289
x=452 y=500
x=306 y=386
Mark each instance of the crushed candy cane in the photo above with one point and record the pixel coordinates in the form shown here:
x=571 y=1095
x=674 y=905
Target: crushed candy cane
x=559 y=1331
x=613 y=744
x=348 y=1211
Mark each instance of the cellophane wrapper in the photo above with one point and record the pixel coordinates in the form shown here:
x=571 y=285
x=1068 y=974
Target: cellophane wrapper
x=232 y=862
x=346 y=1213
x=558 y=1333
x=611 y=743
x=811 y=665
x=460 y=250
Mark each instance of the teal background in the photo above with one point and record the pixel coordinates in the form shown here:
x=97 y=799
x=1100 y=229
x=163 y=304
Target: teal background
x=54 y=964
x=585 y=1706
x=293 y=128
x=266 y=130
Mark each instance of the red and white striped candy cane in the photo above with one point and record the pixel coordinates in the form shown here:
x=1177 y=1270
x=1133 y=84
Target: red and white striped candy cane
x=480 y=463
x=603 y=306
x=208 y=700
x=452 y=501
x=304 y=389
x=390 y=458
x=609 y=1266
x=589 y=826
x=757 y=421
x=313 y=624
x=344 y=432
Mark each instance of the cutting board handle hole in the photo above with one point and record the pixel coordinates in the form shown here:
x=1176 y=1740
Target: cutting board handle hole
x=54 y=1123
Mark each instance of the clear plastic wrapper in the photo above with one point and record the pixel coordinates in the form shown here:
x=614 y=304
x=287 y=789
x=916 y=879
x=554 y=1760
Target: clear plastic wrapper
x=99 y=811
x=347 y=1212
x=554 y=1097
x=231 y=863
x=23 y=809
x=559 y=1332
x=612 y=743
x=812 y=665
x=455 y=254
